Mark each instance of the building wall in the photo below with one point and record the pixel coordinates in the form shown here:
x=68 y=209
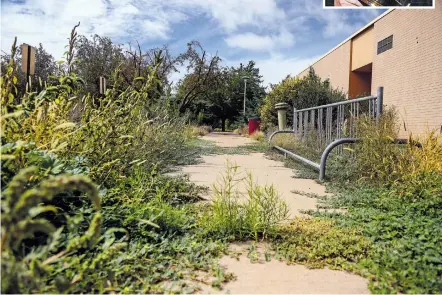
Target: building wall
x=362 y=49
x=335 y=65
x=411 y=71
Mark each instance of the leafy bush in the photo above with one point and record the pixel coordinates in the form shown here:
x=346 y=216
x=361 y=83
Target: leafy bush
x=23 y=209
x=301 y=93
x=243 y=216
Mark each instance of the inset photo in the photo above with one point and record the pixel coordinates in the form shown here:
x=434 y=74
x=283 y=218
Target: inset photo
x=379 y=3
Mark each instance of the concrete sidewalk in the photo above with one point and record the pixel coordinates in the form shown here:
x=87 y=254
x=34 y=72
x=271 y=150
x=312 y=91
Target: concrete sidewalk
x=274 y=277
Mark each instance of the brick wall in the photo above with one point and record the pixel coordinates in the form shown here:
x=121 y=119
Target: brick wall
x=411 y=72
x=335 y=65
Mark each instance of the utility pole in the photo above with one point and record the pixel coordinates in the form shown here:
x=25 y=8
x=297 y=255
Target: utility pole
x=28 y=63
x=245 y=91
x=102 y=85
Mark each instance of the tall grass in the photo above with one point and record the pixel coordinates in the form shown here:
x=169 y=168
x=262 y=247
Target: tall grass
x=130 y=235
x=193 y=131
x=380 y=160
x=243 y=215
x=308 y=147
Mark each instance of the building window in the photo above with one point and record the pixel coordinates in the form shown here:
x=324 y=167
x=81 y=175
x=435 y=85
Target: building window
x=385 y=44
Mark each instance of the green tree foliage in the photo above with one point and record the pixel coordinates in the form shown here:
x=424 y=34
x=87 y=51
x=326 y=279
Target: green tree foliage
x=300 y=93
x=97 y=56
x=221 y=103
x=202 y=73
x=222 y=93
x=255 y=92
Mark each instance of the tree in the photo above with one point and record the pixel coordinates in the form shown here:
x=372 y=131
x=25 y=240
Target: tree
x=202 y=72
x=255 y=92
x=97 y=56
x=223 y=101
x=217 y=92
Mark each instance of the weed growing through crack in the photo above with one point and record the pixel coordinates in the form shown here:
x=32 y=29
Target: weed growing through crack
x=237 y=215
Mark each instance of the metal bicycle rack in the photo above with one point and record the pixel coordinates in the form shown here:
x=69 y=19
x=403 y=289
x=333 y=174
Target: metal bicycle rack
x=328 y=123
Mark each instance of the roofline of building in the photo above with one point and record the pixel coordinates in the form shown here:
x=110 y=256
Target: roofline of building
x=349 y=38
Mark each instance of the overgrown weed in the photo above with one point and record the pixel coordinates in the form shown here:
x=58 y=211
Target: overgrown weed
x=139 y=229
x=193 y=131
x=393 y=198
x=238 y=215
x=318 y=243
x=258 y=136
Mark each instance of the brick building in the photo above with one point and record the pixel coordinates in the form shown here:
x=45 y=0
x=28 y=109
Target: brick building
x=400 y=50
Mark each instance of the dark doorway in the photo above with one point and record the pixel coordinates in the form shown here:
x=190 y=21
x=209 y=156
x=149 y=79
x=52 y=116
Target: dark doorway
x=360 y=82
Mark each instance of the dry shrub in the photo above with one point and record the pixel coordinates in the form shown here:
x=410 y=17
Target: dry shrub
x=242 y=130
x=258 y=135
x=193 y=131
x=286 y=140
x=380 y=160
x=307 y=148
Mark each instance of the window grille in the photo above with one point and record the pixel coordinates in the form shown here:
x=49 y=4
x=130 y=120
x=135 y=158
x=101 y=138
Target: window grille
x=385 y=44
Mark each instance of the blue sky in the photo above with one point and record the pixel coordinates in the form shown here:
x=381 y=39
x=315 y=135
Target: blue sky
x=282 y=36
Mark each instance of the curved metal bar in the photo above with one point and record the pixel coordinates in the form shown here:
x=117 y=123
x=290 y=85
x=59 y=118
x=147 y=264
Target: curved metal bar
x=302 y=159
x=327 y=151
x=281 y=131
x=322 y=165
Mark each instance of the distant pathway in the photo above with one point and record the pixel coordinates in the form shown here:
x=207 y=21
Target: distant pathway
x=264 y=171
x=274 y=276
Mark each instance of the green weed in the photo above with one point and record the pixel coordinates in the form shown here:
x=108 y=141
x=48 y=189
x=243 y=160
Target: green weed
x=318 y=243
x=250 y=215
x=137 y=230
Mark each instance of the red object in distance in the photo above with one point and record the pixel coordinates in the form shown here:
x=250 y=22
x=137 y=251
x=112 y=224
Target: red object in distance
x=253 y=125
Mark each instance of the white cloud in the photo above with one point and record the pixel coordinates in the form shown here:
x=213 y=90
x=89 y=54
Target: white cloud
x=156 y=29
x=231 y=14
x=254 y=42
x=250 y=41
x=50 y=21
x=277 y=67
x=253 y=25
